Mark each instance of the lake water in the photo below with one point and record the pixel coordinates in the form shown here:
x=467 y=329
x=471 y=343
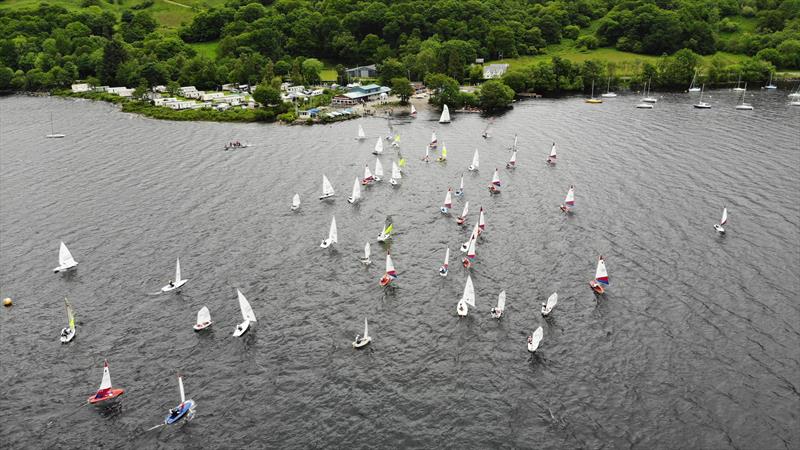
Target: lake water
x=695 y=345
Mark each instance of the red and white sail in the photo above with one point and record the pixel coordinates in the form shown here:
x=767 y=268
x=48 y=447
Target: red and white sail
x=570 y=199
x=481 y=222
x=601 y=274
x=448 y=199
x=724 y=216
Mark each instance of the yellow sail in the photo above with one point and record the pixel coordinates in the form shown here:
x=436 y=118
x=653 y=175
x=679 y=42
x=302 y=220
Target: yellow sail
x=70 y=314
x=388 y=229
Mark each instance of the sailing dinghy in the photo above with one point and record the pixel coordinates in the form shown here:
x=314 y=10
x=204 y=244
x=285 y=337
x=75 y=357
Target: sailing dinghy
x=445 y=267
x=742 y=106
x=391 y=273
x=600 y=277
x=296 y=202
x=443 y=156
x=434 y=141
x=378 y=147
x=362 y=341
x=68 y=333
x=327 y=189
x=53 y=133
x=701 y=104
x=396 y=141
x=386 y=233
x=467 y=298
x=494 y=187
x=569 y=201
x=448 y=202
x=427 y=157
x=460 y=191
x=512 y=163
x=356 y=195
x=365 y=259
x=692 y=86
x=368 y=177
x=184 y=410
x=396 y=174
x=469 y=260
x=722 y=222
x=497 y=311
x=463 y=217
x=105 y=395
x=413 y=111
x=333 y=236
x=445 y=117
x=474 y=235
x=481 y=223
x=648 y=98
x=175 y=285
x=361 y=135
x=608 y=93
x=247 y=314
x=534 y=339
x=551 y=303
x=475 y=161
x=551 y=159
x=203 y=319
x=65 y=260
x=378 y=170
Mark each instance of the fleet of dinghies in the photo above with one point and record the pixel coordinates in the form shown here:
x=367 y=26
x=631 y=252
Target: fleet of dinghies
x=185 y=409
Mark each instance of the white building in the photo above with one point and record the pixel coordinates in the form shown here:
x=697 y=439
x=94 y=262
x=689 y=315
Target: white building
x=295 y=89
x=163 y=101
x=183 y=91
x=494 y=71
x=180 y=104
x=206 y=96
x=81 y=87
x=121 y=91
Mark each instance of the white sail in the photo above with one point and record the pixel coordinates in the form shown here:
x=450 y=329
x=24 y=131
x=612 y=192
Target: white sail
x=367 y=172
x=396 y=175
x=466 y=210
x=65 y=257
x=536 y=339
x=601 y=274
x=356 y=191
x=501 y=301
x=448 y=200
x=553 y=151
x=471 y=251
x=180 y=386
x=106 y=382
x=469 y=292
x=461 y=184
x=724 y=216
x=447 y=257
x=445 y=117
x=551 y=303
x=496 y=177
x=570 y=199
x=389 y=264
x=433 y=138
x=333 y=236
x=481 y=220
x=366 y=328
x=366 y=251
x=427 y=154
x=378 y=168
x=361 y=134
x=378 y=147
x=296 y=201
x=327 y=188
x=178 y=278
x=413 y=110
x=247 y=311
x=203 y=316
x=475 y=161
x=513 y=160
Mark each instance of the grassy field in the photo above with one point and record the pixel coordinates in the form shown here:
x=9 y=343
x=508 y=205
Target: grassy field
x=626 y=63
x=207 y=49
x=328 y=75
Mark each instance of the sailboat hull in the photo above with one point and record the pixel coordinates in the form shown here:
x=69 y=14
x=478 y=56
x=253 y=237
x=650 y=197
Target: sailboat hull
x=243 y=328
x=202 y=326
x=65 y=268
x=174 y=287
x=719 y=228
x=461 y=309
x=65 y=338
x=55 y=136
x=597 y=287
x=184 y=411
x=362 y=342
x=110 y=398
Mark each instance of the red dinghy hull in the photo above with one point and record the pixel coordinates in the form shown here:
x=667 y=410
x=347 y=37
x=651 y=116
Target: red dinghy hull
x=106 y=398
x=597 y=287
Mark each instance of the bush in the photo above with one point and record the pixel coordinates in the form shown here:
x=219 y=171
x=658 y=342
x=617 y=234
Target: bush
x=287 y=117
x=588 y=42
x=265 y=115
x=726 y=25
x=571 y=32
x=748 y=11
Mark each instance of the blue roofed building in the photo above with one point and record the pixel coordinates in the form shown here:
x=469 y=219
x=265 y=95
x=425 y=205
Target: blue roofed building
x=361 y=94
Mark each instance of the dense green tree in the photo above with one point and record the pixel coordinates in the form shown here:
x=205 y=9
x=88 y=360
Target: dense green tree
x=6 y=75
x=312 y=68
x=516 y=80
x=389 y=70
x=114 y=54
x=445 y=89
x=494 y=95
x=401 y=87
x=790 y=53
x=267 y=95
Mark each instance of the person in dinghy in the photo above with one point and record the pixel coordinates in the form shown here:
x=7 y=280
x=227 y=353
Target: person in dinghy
x=106 y=395
x=494 y=187
x=569 y=201
x=600 y=278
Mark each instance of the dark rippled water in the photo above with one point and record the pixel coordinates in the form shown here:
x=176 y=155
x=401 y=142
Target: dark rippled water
x=696 y=344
